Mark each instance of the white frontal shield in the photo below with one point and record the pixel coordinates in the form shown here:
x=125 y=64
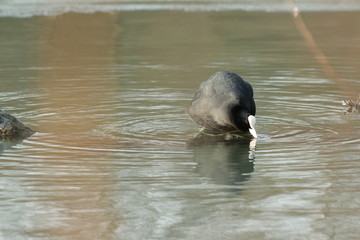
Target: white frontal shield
x=252 y=121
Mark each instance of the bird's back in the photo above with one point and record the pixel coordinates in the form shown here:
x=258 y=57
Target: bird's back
x=217 y=96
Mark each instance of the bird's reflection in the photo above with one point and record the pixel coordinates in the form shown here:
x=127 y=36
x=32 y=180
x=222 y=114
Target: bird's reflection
x=225 y=162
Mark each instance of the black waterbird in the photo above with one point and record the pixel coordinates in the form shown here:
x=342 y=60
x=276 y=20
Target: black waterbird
x=225 y=103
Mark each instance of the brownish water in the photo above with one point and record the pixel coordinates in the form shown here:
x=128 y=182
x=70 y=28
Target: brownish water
x=113 y=157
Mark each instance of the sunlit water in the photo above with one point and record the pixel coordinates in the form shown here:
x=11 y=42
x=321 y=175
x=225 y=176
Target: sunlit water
x=114 y=155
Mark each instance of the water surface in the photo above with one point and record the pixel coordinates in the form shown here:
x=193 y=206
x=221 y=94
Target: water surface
x=114 y=155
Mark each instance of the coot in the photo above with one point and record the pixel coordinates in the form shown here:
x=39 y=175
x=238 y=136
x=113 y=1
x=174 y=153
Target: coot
x=224 y=102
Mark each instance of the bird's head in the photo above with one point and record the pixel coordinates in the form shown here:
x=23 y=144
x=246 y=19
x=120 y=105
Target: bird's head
x=243 y=120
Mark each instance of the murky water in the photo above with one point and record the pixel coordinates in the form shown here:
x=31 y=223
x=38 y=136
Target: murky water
x=114 y=156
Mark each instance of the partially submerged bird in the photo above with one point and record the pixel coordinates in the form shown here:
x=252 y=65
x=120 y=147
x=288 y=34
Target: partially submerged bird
x=224 y=103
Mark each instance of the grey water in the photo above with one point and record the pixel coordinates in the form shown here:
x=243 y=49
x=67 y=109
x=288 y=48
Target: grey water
x=106 y=85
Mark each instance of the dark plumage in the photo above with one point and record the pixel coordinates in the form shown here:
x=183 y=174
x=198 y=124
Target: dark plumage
x=224 y=102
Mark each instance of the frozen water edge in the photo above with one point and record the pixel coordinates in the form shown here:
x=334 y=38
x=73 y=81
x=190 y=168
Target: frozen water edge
x=44 y=8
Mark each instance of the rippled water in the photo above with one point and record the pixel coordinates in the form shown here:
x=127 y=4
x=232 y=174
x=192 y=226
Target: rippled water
x=114 y=155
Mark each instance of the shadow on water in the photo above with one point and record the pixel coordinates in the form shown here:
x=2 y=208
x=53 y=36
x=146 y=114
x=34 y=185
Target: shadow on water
x=225 y=162
x=6 y=144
